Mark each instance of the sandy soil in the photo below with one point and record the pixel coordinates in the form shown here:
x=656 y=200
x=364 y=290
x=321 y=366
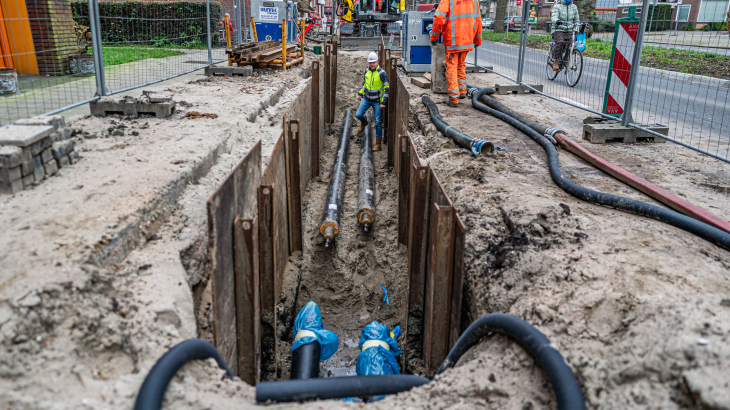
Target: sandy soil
x=105 y=267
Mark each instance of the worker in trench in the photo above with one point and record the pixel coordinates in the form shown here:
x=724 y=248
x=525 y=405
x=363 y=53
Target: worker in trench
x=374 y=93
x=458 y=22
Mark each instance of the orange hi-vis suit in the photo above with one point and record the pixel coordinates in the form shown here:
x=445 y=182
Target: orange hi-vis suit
x=459 y=23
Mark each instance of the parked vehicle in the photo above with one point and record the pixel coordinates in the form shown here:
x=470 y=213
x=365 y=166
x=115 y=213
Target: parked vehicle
x=487 y=23
x=513 y=23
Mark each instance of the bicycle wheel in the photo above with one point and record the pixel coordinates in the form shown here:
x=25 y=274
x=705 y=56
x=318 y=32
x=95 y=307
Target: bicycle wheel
x=574 y=68
x=551 y=74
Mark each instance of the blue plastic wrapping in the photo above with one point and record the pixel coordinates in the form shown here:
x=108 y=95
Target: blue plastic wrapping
x=309 y=318
x=377 y=360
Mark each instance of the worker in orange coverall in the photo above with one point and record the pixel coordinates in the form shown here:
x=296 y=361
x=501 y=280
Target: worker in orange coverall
x=459 y=23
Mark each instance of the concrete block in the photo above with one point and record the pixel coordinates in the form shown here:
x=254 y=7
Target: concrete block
x=28 y=167
x=11 y=187
x=421 y=82
x=610 y=131
x=439 y=85
x=10 y=174
x=64 y=161
x=40 y=146
x=62 y=148
x=10 y=156
x=46 y=156
x=245 y=71
x=130 y=106
x=73 y=156
x=39 y=174
x=28 y=181
x=51 y=168
x=516 y=88
x=23 y=135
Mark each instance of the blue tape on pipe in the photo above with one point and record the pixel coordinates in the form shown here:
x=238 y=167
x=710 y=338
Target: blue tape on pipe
x=309 y=318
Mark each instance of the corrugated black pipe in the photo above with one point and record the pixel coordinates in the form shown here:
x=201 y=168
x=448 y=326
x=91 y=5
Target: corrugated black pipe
x=305 y=361
x=676 y=219
x=330 y=225
x=336 y=387
x=154 y=385
x=567 y=391
x=474 y=145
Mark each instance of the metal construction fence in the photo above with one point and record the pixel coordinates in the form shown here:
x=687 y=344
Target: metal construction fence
x=60 y=54
x=680 y=78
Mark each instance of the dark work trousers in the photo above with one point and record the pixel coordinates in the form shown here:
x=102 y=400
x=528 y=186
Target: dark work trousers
x=562 y=41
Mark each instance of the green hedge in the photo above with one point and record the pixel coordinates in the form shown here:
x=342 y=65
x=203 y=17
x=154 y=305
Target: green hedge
x=152 y=23
x=660 y=17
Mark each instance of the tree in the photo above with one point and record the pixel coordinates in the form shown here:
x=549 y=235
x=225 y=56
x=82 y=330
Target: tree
x=586 y=10
x=501 y=15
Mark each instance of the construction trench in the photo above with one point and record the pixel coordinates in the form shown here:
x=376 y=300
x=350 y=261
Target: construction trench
x=638 y=309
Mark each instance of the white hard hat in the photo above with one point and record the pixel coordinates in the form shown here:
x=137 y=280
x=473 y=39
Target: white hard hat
x=372 y=57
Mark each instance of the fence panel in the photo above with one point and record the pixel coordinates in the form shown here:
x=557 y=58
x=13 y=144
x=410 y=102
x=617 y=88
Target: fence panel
x=683 y=80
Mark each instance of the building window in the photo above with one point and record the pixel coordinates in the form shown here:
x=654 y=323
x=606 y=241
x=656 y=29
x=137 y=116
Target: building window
x=625 y=10
x=712 y=10
x=549 y=1
x=684 y=13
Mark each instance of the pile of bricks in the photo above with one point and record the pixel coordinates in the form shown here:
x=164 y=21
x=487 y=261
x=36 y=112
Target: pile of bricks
x=32 y=150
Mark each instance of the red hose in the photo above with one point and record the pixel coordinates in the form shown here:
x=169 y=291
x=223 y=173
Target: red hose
x=661 y=195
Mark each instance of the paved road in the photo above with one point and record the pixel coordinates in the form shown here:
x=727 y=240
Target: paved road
x=696 y=114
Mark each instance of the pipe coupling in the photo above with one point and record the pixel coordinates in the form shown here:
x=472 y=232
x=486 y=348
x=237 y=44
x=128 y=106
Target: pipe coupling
x=550 y=134
x=477 y=145
x=471 y=92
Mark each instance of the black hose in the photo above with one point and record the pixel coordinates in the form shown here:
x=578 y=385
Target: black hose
x=305 y=361
x=365 y=192
x=472 y=144
x=330 y=225
x=154 y=385
x=676 y=219
x=566 y=388
x=336 y=387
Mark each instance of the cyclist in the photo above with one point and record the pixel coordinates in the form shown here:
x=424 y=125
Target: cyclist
x=563 y=11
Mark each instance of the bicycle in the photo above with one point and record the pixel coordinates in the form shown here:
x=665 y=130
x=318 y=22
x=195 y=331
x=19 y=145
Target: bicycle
x=574 y=69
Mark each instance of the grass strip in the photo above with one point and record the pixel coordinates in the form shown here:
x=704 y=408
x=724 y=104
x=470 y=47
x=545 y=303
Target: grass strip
x=122 y=55
x=670 y=59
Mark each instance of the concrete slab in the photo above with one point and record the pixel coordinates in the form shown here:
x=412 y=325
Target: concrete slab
x=472 y=69
x=503 y=89
x=613 y=131
x=23 y=135
x=157 y=97
x=10 y=174
x=245 y=71
x=130 y=107
x=11 y=187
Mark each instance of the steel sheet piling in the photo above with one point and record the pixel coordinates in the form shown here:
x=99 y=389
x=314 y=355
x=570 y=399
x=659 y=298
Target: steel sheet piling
x=331 y=219
x=365 y=198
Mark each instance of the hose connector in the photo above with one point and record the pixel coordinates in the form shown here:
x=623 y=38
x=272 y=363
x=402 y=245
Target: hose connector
x=478 y=145
x=550 y=134
x=471 y=91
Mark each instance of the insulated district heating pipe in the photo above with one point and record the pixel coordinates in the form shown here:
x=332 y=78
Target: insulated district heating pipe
x=330 y=225
x=474 y=145
x=154 y=385
x=567 y=391
x=365 y=199
x=305 y=361
x=642 y=185
x=701 y=229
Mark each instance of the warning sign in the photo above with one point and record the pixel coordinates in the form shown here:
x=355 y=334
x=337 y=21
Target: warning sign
x=269 y=13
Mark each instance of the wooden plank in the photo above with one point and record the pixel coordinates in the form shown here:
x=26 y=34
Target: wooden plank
x=437 y=300
x=438 y=195
x=427 y=76
x=293 y=185
x=236 y=197
x=333 y=86
x=275 y=175
x=316 y=143
x=457 y=290
x=417 y=240
x=248 y=313
x=273 y=54
x=421 y=82
x=327 y=84
x=404 y=179
x=267 y=279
